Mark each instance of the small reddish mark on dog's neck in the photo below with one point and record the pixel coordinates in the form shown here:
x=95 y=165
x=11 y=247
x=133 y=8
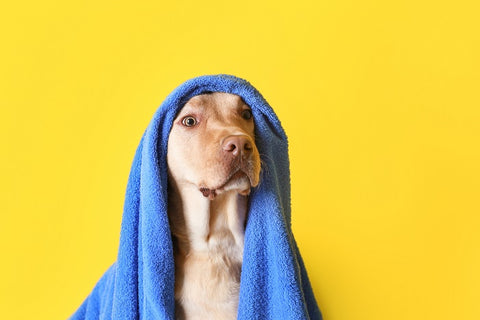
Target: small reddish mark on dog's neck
x=208 y=193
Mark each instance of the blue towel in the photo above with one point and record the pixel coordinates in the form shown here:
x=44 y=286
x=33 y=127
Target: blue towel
x=140 y=284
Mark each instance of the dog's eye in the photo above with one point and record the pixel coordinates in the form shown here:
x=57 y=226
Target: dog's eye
x=189 y=121
x=247 y=114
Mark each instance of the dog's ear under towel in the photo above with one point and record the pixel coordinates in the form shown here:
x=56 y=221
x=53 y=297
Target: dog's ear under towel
x=140 y=284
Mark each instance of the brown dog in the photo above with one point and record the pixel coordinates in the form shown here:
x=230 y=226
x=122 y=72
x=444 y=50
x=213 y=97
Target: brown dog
x=212 y=164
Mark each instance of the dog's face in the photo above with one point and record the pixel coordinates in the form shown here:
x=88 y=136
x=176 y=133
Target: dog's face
x=212 y=146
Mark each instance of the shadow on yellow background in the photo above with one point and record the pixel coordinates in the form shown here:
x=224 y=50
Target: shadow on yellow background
x=380 y=100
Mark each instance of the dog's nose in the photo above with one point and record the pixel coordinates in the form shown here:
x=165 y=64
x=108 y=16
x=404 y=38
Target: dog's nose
x=237 y=145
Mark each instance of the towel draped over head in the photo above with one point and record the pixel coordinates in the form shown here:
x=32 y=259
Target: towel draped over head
x=140 y=284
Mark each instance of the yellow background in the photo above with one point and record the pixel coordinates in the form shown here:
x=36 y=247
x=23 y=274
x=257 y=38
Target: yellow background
x=380 y=100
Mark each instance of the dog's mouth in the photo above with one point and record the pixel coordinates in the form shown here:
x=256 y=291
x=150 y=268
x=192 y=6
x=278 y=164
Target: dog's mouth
x=238 y=180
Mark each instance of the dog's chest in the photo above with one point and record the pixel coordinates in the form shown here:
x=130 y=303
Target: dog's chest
x=208 y=283
x=208 y=256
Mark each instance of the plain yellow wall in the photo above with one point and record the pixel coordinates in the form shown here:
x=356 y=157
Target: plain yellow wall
x=380 y=100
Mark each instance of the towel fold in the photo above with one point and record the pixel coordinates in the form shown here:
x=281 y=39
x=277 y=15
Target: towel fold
x=140 y=284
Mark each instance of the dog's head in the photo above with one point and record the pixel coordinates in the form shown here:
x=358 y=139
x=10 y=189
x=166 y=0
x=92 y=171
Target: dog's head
x=212 y=145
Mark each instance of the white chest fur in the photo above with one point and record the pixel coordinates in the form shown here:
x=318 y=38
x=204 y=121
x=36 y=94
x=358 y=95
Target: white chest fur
x=208 y=237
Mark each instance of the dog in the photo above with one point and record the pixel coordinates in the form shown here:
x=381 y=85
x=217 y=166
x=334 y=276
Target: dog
x=213 y=163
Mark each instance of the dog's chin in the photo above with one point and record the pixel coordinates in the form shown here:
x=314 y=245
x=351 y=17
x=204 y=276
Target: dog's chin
x=239 y=182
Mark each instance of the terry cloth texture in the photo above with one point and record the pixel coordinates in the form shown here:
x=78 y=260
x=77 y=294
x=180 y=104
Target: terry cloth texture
x=140 y=284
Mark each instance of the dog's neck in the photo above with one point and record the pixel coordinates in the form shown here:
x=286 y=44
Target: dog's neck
x=202 y=225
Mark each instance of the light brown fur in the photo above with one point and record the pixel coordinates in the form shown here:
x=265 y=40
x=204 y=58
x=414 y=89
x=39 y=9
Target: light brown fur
x=209 y=181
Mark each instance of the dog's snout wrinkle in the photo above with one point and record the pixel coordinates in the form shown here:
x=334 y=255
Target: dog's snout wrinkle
x=237 y=145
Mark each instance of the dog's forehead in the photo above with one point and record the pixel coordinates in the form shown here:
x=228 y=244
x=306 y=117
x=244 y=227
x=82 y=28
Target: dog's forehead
x=220 y=101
